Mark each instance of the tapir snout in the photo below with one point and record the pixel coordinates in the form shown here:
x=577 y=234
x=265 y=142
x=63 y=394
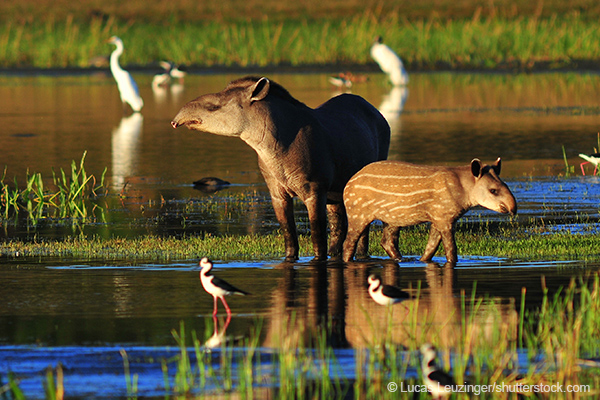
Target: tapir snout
x=180 y=120
x=509 y=208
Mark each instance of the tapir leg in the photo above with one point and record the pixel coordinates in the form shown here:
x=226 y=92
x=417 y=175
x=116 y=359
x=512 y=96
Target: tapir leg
x=338 y=227
x=356 y=230
x=450 y=245
x=389 y=241
x=435 y=238
x=362 y=250
x=316 y=206
x=284 y=212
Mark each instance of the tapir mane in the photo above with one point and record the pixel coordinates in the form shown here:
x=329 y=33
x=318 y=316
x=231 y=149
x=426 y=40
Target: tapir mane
x=275 y=90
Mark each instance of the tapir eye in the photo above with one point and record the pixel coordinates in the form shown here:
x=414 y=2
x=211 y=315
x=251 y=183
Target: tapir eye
x=212 y=107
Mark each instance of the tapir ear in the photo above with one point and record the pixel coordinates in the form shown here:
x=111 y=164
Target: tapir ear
x=497 y=166
x=476 y=167
x=260 y=89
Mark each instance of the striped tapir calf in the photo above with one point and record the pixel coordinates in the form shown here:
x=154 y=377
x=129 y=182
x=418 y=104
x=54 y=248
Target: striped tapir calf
x=402 y=194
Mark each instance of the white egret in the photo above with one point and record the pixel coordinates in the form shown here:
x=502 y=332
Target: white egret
x=389 y=62
x=127 y=87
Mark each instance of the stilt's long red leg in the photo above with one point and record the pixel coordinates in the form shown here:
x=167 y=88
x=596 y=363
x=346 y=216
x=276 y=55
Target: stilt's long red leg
x=215 y=306
x=226 y=306
x=581 y=165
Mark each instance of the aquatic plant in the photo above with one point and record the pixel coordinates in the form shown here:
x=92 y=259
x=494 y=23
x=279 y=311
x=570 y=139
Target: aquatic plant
x=75 y=189
x=130 y=380
x=569 y=169
x=12 y=387
x=69 y=199
x=54 y=388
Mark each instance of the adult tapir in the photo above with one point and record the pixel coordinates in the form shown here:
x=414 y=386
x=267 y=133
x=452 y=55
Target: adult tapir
x=304 y=152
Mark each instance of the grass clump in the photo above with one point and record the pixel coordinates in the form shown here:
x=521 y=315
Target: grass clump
x=69 y=199
x=514 y=243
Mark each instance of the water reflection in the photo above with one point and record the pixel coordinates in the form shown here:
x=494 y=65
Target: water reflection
x=391 y=107
x=339 y=296
x=218 y=337
x=118 y=304
x=448 y=118
x=125 y=149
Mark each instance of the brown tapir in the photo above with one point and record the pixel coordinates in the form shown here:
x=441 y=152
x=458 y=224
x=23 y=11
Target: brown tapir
x=402 y=194
x=303 y=152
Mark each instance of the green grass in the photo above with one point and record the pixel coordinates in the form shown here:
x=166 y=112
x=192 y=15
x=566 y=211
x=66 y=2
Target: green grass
x=69 y=198
x=511 y=242
x=559 y=40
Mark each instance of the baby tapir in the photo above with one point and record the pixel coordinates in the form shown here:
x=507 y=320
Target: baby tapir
x=402 y=194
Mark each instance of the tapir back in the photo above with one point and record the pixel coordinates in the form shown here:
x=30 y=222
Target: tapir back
x=404 y=194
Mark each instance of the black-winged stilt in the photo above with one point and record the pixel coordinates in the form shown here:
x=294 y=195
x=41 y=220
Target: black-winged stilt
x=592 y=158
x=175 y=71
x=389 y=62
x=437 y=381
x=385 y=295
x=216 y=287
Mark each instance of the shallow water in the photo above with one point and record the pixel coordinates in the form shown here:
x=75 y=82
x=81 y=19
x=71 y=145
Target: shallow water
x=82 y=314
x=78 y=312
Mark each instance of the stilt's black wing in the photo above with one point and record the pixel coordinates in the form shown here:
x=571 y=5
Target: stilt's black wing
x=227 y=286
x=394 y=292
x=443 y=378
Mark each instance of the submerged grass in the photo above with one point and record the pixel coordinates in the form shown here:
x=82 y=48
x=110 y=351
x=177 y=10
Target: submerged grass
x=560 y=40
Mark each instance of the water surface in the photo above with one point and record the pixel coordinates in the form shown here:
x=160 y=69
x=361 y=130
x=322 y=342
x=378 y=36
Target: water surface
x=81 y=312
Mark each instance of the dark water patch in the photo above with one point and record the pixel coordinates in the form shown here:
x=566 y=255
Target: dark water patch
x=23 y=135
